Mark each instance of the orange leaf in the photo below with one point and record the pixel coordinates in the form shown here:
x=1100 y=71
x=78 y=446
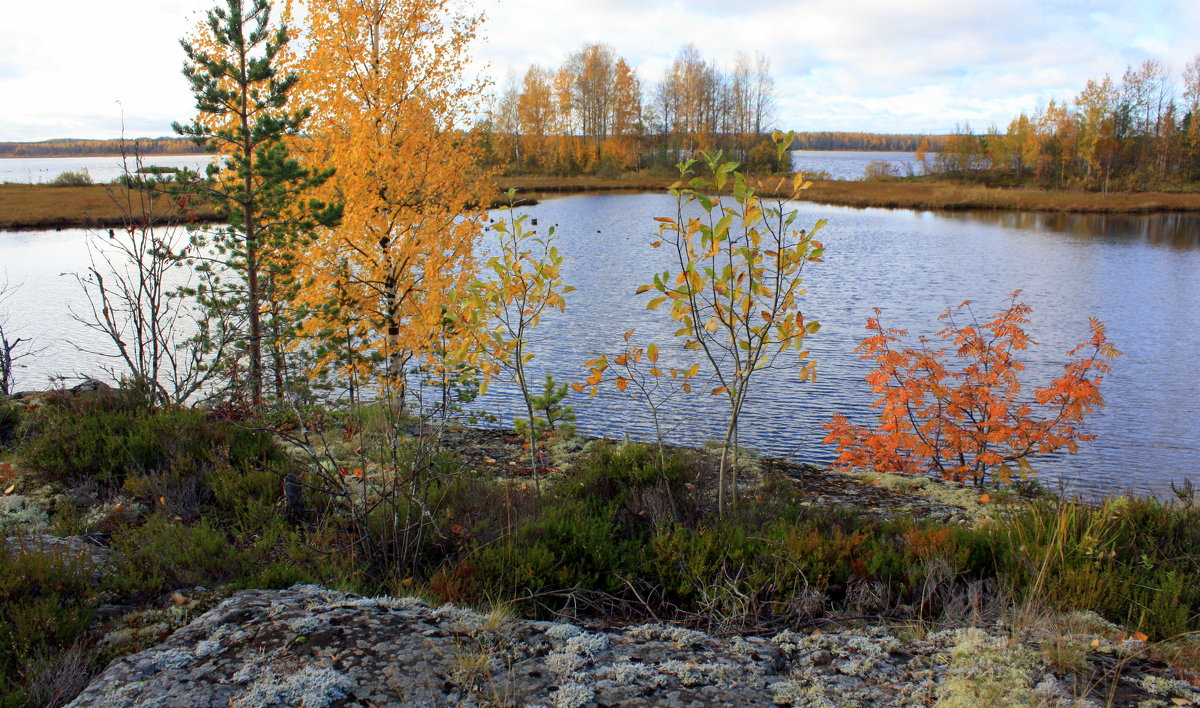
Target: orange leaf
x=1140 y=636
x=985 y=498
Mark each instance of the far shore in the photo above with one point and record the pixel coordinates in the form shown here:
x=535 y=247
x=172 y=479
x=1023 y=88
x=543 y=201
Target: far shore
x=40 y=206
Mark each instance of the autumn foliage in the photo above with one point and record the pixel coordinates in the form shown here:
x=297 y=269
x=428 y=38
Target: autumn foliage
x=965 y=417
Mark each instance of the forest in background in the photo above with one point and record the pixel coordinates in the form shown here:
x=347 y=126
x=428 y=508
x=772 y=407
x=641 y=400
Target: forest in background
x=72 y=147
x=1141 y=132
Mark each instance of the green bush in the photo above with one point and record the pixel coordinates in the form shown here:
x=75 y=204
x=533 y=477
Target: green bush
x=46 y=604
x=71 y=178
x=163 y=555
x=1134 y=561
x=10 y=421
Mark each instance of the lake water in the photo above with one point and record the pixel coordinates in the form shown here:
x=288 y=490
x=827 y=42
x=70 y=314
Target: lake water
x=852 y=164
x=844 y=165
x=36 y=170
x=1137 y=274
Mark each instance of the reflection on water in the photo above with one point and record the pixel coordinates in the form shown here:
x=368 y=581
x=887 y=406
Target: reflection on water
x=1170 y=230
x=1138 y=274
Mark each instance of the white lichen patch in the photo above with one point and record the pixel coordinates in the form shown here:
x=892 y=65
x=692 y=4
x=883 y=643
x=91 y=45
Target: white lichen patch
x=305 y=625
x=1162 y=686
x=627 y=672
x=22 y=515
x=311 y=687
x=666 y=633
x=400 y=603
x=562 y=630
x=987 y=671
x=693 y=673
x=172 y=659
x=563 y=664
x=572 y=695
x=586 y=644
x=800 y=693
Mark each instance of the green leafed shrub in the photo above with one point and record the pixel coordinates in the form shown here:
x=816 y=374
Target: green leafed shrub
x=162 y=555
x=46 y=604
x=73 y=178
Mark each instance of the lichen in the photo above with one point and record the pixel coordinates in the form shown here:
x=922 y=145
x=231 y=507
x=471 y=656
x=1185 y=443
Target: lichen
x=692 y=673
x=666 y=633
x=562 y=631
x=984 y=670
x=572 y=695
x=311 y=687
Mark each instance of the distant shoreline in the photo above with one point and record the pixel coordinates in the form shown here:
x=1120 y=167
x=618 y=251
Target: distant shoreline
x=43 y=206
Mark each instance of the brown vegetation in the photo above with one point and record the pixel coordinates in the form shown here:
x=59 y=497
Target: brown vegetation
x=39 y=206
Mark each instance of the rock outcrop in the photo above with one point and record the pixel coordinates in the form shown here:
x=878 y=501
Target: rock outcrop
x=313 y=647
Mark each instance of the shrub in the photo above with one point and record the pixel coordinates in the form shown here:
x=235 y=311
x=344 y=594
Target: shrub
x=69 y=178
x=162 y=555
x=46 y=604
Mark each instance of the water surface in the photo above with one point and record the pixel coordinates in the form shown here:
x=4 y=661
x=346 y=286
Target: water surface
x=1136 y=273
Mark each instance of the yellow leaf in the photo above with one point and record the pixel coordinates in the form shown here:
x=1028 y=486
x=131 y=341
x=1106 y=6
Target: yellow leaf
x=719 y=390
x=629 y=334
x=1095 y=642
x=652 y=353
x=655 y=371
x=622 y=383
x=693 y=371
x=10 y=489
x=162 y=500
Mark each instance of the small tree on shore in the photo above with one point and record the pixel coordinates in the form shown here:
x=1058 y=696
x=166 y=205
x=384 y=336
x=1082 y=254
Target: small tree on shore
x=736 y=293
x=969 y=421
x=246 y=113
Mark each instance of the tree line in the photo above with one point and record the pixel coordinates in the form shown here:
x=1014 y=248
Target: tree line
x=1139 y=132
x=595 y=114
x=879 y=142
x=70 y=147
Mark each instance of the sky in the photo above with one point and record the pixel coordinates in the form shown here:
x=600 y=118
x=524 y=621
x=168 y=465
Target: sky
x=88 y=68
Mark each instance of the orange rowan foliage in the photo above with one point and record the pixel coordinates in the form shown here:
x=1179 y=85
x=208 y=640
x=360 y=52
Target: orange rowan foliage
x=968 y=421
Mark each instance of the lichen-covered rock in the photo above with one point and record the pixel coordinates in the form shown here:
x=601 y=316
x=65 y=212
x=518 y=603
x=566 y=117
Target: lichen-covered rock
x=309 y=646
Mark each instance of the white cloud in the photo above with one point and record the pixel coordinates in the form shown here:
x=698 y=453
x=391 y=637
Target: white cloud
x=870 y=65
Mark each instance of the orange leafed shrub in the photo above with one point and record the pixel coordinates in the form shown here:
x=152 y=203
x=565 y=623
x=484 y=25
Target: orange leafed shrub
x=965 y=417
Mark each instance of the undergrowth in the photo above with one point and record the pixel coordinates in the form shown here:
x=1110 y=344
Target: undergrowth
x=623 y=533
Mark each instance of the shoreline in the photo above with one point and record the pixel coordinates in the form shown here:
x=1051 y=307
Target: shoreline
x=26 y=207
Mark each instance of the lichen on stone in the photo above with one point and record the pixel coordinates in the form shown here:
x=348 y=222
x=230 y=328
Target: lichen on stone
x=572 y=695
x=666 y=633
x=311 y=687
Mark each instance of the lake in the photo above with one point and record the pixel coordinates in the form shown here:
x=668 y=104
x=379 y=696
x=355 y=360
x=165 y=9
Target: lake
x=39 y=170
x=1137 y=274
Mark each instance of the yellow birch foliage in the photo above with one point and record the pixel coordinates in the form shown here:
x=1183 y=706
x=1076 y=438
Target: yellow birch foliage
x=384 y=79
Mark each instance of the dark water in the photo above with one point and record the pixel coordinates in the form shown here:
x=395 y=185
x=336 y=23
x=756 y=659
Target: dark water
x=1140 y=275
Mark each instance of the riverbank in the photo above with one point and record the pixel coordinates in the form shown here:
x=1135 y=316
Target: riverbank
x=38 y=206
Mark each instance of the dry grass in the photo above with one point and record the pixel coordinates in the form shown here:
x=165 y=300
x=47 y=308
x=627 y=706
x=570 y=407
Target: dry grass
x=40 y=206
x=955 y=197
x=36 y=206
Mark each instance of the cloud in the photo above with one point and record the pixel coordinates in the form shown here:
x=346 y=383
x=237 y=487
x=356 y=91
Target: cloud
x=871 y=65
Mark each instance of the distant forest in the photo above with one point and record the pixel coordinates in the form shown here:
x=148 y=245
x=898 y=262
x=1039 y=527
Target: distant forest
x=867 y=141
x=65 y=147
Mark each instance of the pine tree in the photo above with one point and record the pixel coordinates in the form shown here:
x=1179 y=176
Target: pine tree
x=245 y=112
